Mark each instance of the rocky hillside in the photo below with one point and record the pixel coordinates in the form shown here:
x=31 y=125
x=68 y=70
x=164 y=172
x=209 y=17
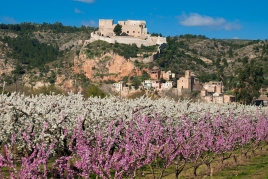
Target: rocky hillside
x=210 y=56
x=102 y=62
x=36 y=55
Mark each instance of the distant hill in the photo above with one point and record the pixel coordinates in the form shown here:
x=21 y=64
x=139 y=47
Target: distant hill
x=34 y=54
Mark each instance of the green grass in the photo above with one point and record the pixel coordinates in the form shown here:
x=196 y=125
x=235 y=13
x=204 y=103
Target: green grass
x=254 y=168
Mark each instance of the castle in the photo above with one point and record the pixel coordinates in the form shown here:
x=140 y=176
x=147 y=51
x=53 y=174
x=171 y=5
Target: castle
x=129 y=27
x=133 y=31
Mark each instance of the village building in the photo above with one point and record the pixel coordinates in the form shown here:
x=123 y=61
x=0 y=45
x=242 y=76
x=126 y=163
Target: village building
x=188 y=83
x=261 y=101
x=212 y=92
x=118 y=86
x=167 y=85
x=155 y=73
x=124 y=89
x=157 y=85
x=213 y=87
x=167 y=75
x=228 y=98
x=217 y=98
x=147 y=84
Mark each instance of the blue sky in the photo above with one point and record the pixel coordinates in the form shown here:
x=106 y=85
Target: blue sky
x=221 y=19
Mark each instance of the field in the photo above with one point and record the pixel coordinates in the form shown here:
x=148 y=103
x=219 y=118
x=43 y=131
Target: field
x=56 y=136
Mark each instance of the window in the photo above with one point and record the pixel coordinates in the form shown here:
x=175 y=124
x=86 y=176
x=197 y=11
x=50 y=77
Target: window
x=133 y=31
x=127 y=31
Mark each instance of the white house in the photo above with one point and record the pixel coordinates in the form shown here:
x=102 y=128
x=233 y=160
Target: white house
x=167 y=85
x=118 y=86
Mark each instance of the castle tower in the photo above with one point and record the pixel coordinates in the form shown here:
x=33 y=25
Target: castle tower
x=106 y=27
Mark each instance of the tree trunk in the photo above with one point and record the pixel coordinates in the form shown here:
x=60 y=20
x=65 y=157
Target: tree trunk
x=195 y=170
x=235 y=158
x=209 y=168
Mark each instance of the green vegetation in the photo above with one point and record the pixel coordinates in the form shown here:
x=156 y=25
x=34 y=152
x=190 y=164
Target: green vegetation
x=47 y=90
x=30 y=51
x=137 y=80
x=256 y=167
x=140 y=64
x=57 y=27
x=237 y=44
x=190 y=36
x=156 y=34
x=118 y=29
x=250 y=80
x=33 y=51
x=204 y=77
x=97 y=48
x=174 y=58
x=93 y=91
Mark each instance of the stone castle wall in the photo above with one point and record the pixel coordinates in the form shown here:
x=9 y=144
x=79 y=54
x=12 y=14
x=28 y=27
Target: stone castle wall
x=129 y=40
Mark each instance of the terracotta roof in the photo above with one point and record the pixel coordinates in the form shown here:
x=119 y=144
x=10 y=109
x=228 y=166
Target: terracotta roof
x=263 y=97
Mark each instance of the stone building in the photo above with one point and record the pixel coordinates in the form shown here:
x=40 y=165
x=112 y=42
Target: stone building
x=167 y=75
x=106 y=27
x=147 y=84
x=135 y=31
x=213 y=87
x=188 y=83
x=167 y=85
x=228 y=98
x=118 y=86
x=212 y=92
x=134 y=28
x=123 y=89
x=218 y=98
x=155 y=73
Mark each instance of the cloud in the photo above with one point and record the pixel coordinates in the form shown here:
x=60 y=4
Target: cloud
x=235 y=37
x=8 y=20
x=90 y=23
x=77 y=11
x=232 y=26
x=86 y=1
x=197 y=20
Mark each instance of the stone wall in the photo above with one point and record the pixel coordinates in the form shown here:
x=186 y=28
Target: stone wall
x=129 y=40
